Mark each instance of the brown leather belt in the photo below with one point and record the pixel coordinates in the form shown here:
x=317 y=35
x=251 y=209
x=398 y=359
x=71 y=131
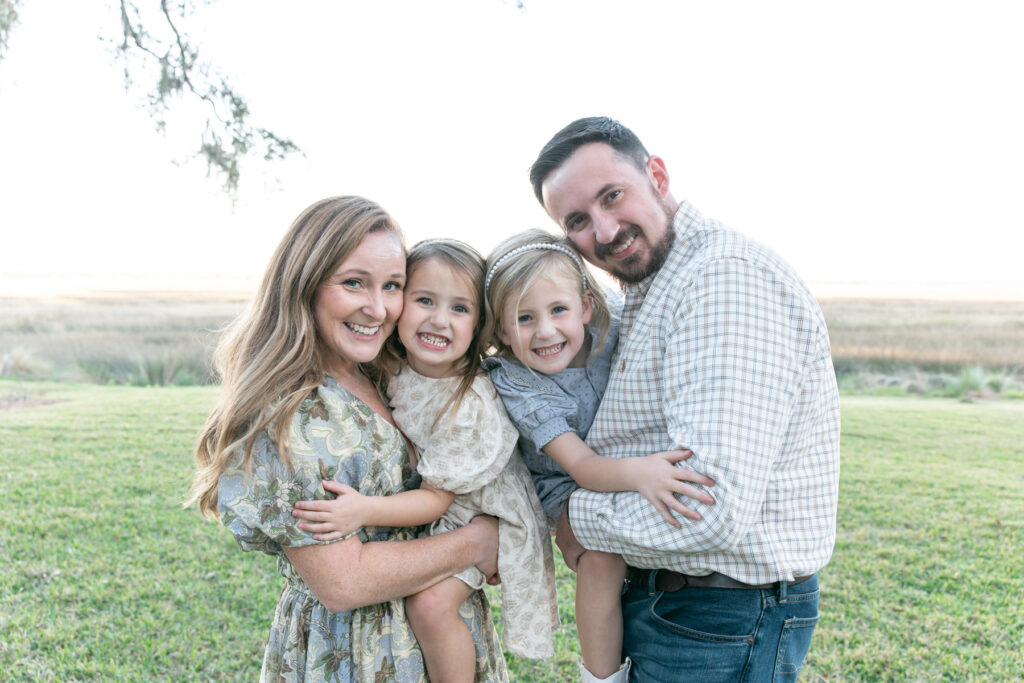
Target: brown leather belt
x=669 y=581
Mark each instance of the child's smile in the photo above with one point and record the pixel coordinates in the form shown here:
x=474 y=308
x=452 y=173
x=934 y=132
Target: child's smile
x=548 y=351
x=434 y=341
x=437 y=323
x=548 y=331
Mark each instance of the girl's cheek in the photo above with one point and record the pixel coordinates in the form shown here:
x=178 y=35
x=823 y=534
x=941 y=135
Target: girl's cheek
x=517 y=351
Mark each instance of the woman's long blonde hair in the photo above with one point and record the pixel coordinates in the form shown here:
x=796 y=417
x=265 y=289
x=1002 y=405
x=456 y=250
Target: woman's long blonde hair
x=269 y=358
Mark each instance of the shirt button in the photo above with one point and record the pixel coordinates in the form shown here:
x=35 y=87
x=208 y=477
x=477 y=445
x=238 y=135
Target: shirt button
x=622 y=366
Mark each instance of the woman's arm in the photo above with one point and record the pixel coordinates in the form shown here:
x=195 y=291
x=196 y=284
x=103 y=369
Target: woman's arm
x=333 y=519
x=655 y=476
x=349 y=574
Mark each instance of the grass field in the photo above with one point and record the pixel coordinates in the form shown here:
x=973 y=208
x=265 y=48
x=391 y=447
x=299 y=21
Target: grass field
x=105 y=577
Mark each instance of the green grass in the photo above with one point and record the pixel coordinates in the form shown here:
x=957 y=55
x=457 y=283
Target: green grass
x=104 y=577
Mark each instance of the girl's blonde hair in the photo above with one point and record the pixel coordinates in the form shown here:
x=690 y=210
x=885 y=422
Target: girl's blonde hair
x=510 y=276
x=269 y=358
x=465 y=261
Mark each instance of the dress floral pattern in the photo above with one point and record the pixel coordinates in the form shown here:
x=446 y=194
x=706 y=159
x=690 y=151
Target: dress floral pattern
x=472 y=452
x=335 y=436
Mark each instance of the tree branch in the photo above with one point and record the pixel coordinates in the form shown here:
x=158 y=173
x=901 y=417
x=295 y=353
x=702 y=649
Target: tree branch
x=8 y=18
x=226 y=138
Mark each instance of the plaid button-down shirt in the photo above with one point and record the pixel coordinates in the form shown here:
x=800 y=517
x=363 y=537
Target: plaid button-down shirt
x=723 y=351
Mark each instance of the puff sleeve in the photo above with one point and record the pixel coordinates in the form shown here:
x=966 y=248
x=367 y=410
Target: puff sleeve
x=330 y=438
x=538 y=407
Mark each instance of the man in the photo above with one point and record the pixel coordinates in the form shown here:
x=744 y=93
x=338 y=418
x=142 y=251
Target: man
x=724 y=351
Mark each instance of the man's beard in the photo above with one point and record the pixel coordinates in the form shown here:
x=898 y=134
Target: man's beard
x=632 y=269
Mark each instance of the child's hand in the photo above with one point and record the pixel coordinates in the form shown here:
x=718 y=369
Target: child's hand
x=657 y=479
x=333 y=519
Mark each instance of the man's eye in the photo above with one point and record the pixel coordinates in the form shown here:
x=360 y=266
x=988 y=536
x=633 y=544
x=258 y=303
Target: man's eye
x=576 y=223
x=612 y=196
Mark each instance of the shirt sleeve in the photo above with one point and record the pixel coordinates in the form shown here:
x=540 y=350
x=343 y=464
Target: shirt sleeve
x=732 y=368
x=538 y=408
x=539 y=415
x=332 y=436
x=257 y=507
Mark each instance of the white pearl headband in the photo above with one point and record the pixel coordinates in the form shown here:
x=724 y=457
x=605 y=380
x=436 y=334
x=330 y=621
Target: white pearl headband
x=532 y=247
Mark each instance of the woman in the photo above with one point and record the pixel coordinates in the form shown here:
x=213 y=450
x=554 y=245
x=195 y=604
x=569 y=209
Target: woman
x=298 y=407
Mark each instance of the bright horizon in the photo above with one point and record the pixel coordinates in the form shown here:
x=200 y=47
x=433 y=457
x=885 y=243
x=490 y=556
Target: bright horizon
x=876 y=146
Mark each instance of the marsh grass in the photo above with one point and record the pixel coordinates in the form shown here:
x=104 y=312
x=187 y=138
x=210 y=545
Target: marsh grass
x=880 y=347
x=147 y=339
x=105 y=577
x=958 y=349
x=934 y=336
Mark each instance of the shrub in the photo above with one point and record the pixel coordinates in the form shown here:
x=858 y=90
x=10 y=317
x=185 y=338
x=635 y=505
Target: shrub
x=23 y=363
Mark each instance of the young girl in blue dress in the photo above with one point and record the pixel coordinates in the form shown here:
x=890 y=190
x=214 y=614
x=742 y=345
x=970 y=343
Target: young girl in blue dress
x=554 y=338
x=468 y=460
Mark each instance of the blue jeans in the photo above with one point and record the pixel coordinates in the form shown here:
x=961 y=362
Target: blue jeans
x=718 y=634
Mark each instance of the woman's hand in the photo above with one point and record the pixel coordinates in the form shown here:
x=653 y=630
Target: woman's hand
x=333 y=519
x=658 y=479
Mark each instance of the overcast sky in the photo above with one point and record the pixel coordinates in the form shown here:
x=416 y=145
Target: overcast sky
x=870 y=141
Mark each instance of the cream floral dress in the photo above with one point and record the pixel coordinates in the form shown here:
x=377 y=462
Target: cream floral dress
x=473 y=454
x=336 y=436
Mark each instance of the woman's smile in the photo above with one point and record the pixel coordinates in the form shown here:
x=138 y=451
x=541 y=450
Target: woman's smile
x=363 y=330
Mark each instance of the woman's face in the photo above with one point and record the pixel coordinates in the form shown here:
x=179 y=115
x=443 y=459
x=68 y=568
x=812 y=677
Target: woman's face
x=356 y=307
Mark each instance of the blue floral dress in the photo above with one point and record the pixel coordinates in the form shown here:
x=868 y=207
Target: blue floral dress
x=335 y=436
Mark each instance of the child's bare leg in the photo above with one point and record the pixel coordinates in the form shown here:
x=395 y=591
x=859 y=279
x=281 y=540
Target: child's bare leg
x=599 y=578
x=446 y=643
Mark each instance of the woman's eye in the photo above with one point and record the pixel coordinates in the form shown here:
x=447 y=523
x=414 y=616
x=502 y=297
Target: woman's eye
x=524 y=319
x=393 y=287
x=352 y=283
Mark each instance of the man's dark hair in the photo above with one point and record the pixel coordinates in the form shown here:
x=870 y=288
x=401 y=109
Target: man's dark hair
x=581 y=132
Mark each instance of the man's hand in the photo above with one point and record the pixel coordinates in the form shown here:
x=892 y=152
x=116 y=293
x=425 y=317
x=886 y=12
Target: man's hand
x=566 y=541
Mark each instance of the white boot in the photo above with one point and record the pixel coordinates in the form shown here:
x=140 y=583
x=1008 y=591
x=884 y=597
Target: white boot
x=620 y=676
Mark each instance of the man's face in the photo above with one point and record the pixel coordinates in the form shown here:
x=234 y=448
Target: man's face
x=618 y=216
